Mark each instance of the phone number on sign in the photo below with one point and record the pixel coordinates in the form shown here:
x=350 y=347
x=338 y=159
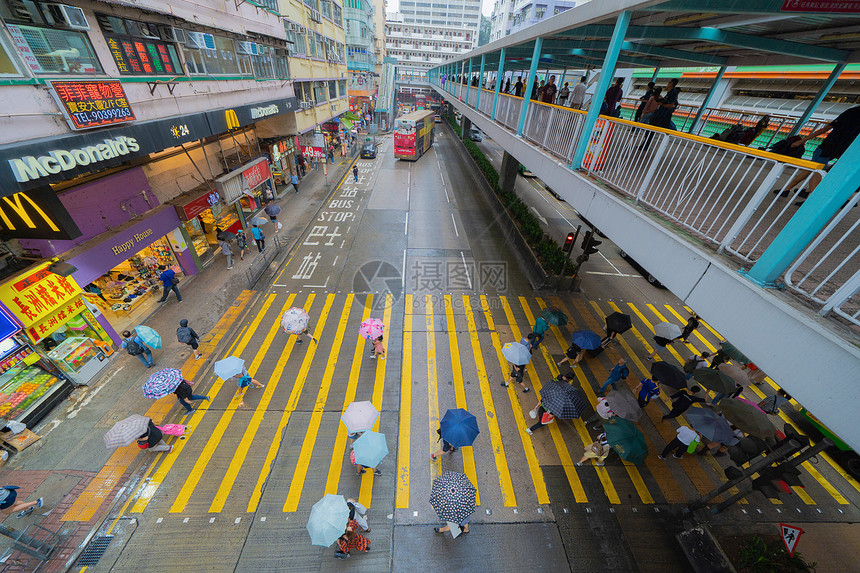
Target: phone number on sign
x=102 y=115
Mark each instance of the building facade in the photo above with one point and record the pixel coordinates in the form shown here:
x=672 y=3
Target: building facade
x=511 y=16
x=462 y=14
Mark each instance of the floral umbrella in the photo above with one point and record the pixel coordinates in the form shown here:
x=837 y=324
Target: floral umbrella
x=452 y=495
x=371 y=329
x=295 y=320
x=162 y=383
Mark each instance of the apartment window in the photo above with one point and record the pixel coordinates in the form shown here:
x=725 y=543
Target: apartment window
x=320 y=92
x=332 y=90
x=223 y=60
x=326 y=8
x=51 y=50
x=337 y=14
x=540 y=12
x=341 y=86
x=313 y=4
x=270 y=63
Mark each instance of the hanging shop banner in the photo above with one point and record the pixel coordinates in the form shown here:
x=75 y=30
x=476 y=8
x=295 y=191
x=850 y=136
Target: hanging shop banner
x=36 y=214
x=141 y=56
x=37 y=294
x=89 y=104
x=56 y=319
x=196 y=206
x=256 y=174
x=312 y=145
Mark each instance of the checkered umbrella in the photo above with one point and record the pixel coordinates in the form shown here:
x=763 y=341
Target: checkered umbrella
x=162 y=383
x=371 y=329
x=126 y=431
x=563 y=400
x=295 y=320
x=452 y=495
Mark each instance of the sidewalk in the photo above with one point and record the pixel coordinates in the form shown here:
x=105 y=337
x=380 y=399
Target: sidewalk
x=71 y=459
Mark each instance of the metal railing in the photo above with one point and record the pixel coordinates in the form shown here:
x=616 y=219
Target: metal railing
x=734 y=198
x=264 y=261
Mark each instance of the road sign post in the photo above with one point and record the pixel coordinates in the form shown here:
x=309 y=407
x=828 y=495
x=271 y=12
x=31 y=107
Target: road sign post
x=790 y=536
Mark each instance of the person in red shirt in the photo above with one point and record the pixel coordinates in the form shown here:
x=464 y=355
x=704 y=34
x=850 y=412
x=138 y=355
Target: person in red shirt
x=549 y=91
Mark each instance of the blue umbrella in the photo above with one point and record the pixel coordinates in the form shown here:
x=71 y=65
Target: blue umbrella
x=711 y=425
x=369 y=449
x=327 y=520
x=162 y=383
x=459 y=427
x=259 y=221
x=229 y=367
x=516 y=353
x=149 y=336
x=586 y=339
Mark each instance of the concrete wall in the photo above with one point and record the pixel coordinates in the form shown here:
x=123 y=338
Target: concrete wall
x=811 y=357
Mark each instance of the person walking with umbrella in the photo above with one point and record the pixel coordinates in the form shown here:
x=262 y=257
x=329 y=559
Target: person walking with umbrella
x=135 y=346
x=539 y=330
x=664 y=334
x=573 y=355
x=618 y=374
x=295 y=321
x=602 y=410
x=244 y=380
x=458 y=428
x=152 y=440
x=681 y=402
x=681 y=443
x=558 y=399
x=350 y=540
x=225 y=248
x=368 y=451
x=186 y=335
x=259 y=238
x=518 y=355
x=273 y=211
x=616 y=323
x=597 y=450
x=184 y=392
x=453 y=496
x=580 y=342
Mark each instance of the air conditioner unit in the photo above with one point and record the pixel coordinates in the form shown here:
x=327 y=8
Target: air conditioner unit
x=249 y=48
x=171 y=34
x=315 y=16
x=71 y=16
x=200 y=40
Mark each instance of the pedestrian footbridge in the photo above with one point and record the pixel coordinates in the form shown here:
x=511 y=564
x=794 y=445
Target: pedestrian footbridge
x=708 y=219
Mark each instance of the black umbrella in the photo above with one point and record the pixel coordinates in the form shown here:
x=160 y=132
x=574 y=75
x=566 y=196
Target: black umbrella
x=225 y=236
x=619 y=322
x=452 y=495
x=668 y=375
x=563 y=400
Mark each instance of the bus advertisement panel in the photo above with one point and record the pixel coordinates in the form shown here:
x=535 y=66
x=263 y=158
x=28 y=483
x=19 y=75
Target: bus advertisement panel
x=413 y=134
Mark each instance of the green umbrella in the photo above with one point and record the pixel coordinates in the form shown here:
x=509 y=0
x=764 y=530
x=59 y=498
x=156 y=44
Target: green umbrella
x=554 y=316
x=729 y=350
x=714 y=380
x=748 y=417
x=626 y=439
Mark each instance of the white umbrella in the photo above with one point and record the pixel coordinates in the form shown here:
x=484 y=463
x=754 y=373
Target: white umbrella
x=295 y=320
x=359 y=416
x=516 y=353
x=667 y=330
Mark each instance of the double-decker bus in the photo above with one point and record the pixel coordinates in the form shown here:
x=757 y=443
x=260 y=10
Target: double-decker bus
x=413 y=134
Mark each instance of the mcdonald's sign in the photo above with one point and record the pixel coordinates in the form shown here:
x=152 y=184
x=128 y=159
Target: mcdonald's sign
x=232 y=119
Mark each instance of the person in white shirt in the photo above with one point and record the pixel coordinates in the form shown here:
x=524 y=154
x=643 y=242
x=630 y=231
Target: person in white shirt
x=577 y=96
x=681 y=442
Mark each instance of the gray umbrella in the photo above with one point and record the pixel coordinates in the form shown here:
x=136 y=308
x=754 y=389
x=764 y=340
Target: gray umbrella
x=126 y=431
x=711 y=425
x=624 y=405
x=714 y=380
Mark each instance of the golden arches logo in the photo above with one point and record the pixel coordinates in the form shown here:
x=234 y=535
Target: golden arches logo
x=232 y=120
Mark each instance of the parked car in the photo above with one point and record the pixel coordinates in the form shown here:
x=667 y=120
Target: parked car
x=368 y=151
x=475 y=134
x=651 y=278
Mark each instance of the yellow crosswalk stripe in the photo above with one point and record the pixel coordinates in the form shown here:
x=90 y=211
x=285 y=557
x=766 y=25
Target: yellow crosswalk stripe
x=296 y=392
x=597 y=369
x=160 y=474
x=401 y=500
x=581 y=430
x=460 y=391
x=338 y=452
x=297 y=484
x=528 y=447
x=365 y=494
x=241 y=453
x=557 y=438
x=508 y=497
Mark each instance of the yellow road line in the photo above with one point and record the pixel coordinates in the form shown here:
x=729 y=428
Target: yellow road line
x=528 y=447
x=432 y=384
x=365 y=494
x=238 y=460
x=508 y=496
x=598 y=370
x=402 y=497
x=557 y=438
x=214 y=438
x=460 y=391
x=151 y=487
x=337 y=455
x=296 y=392
x=297 y=484
x=579 y=426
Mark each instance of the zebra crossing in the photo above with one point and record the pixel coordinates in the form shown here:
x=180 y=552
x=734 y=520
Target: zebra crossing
x=286 y=448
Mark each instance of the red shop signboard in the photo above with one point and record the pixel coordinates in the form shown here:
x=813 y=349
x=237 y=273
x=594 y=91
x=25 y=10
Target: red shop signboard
x=197 y=206
x=256 y=174
x=92 y=103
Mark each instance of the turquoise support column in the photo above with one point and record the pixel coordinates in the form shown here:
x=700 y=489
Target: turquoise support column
x=708 y=98
x=815 y=213
x=819 y=97
x=462 y=76
x=480 y=82
x=530 y=84
x=656 y=73
x=606 y=72
x=469 y=81
x=500 y=78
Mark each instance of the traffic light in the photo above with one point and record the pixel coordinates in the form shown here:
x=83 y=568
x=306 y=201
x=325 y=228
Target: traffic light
x=589 y=245
x=568 y=242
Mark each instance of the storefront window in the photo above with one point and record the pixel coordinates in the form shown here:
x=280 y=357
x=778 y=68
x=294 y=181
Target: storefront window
x=51 y=50
x=204 y=228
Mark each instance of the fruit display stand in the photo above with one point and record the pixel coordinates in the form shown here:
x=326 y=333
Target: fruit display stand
x=79 y=358
x=22 y=388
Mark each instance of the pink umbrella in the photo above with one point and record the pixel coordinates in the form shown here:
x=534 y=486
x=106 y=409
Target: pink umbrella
x=371 y=329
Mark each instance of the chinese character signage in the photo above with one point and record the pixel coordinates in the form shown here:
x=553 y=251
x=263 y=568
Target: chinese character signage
x=89 y=104
x=38 y=294
x=256 y=174
x=200 y=204
x=826 y=6
x=136 y=56
x=312 y=145
x=24 y=48
x=56 y=319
